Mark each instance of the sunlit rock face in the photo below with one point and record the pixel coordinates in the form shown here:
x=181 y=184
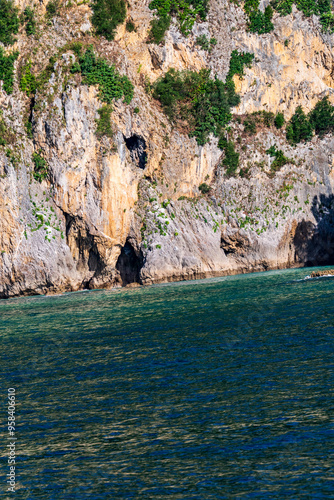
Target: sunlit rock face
x=126 y=208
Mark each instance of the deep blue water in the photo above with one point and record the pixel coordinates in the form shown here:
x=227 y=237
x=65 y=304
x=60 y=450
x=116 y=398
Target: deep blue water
x=212 y=389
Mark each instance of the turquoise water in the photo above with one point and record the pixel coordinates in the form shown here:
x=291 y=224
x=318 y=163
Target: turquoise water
x=208 y=389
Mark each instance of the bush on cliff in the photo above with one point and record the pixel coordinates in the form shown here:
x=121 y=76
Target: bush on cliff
x=186 y=12
x=231 y=160
x=322 y=117
x=197 y=103
x=41 y=169
x=97 y=71
x=104 y=127
x=107 y=15
x=309 y=8
x=9 y=22
x=299 y=127
x=7 y=69
x=28 y=18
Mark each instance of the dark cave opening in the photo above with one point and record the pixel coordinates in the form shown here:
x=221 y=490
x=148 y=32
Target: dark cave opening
x=129 y=264
x=137 y=147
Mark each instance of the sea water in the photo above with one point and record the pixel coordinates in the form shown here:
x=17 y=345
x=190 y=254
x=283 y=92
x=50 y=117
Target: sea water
x=207 y=389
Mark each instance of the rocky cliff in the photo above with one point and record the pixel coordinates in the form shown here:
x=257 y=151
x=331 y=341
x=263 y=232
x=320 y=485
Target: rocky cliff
x=124 y=206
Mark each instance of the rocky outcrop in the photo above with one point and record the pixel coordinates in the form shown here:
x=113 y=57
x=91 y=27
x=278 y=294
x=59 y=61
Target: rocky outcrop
x=127 y=209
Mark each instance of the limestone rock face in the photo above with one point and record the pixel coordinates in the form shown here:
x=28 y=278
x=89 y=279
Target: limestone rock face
x=126 y=207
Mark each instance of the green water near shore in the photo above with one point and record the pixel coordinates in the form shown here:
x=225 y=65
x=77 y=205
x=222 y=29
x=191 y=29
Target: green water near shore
x=208 y=389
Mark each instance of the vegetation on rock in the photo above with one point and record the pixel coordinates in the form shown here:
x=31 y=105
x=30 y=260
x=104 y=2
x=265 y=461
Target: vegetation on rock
x=186 y=12
x=322 y=117
x=9 y=22
x=299 y=127
x=52 y=9
x=107 y=15
x=204 y=188
x=320 y=8
x=231 y=160
x=7 y=69
x=28 y=82
x=197 y=102
x=205 y=43
x=258 y=21
x=28 y=18
x=280 y=159
x=320 y=120
x=279 y=120
x=97 y=71
x=40 y=167
x=238 y=61
x=103 y=122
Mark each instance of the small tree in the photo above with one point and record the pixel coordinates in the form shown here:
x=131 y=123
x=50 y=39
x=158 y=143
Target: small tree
x=9 y=22
x=204 y=188
x=322 y=117
x=299 y=127
x=107 y=15
x=279 y=120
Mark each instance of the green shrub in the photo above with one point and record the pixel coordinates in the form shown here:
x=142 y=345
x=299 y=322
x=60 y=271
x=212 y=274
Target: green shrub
x=284 y=7
x=299 y=127
x=28 y=82
x=322 y=117
x=77 y=48
x=40 y=167
x=238 y=61
x=159 y=26
x=28 y=18
x=107 y=15
x=260 y=22
x=130 y=27
x=250 y=126
x=197 y=101
x=7 y=135
x=136 y=110
x=280 y=159
x=204 y=188
x=7 y=70
x=205 y=43
x=104 y=123
x=52 y=8
x=97 y=71
x=231 y=160
x=279 y=120
x=321 y=8
x=9 y=22
x=186 y=12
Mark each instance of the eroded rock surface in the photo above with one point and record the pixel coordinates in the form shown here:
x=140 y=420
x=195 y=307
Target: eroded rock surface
x=127 y=208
